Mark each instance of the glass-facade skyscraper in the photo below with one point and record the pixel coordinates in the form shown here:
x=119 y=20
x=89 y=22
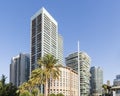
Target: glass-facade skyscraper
x=84 y=61
x=44 y=37
x=96 y=81
x=19 y=69
x=116 y=81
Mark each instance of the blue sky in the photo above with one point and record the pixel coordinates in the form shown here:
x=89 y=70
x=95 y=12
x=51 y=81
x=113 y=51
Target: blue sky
x=95 y=23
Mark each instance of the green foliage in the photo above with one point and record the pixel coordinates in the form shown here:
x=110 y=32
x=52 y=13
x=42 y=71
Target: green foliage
x=47 y=68
x=48 y=64
x=107 y=90
x=7 y=89
x=52 y=94
x=59 y=94
x=29 y=89
x=35 y=92
x=41 y=95
x=25 y=93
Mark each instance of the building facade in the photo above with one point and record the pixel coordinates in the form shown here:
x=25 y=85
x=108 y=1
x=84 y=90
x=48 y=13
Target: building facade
x=96 y=81
x=116 y=86
x=67 y=83
x=44 y=37
x=60 y=50
x=19 y=69
x=116 y=81
x=84 y=61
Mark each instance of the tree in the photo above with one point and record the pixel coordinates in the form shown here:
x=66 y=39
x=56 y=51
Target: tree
x=107 y=89
x=25 y=93
x=7 y=89
x=47 y=68
x=50 y=67
x=3 y=80
x=38 y=76
x=52 y=94
x=59 y=94
x=29 y=89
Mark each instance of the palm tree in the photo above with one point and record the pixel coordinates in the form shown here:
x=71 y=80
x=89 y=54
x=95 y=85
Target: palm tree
x=47 y=68
x=38 y=76
x=29 y=89
x=23 y=89
x=33 y=84
x=48 y=63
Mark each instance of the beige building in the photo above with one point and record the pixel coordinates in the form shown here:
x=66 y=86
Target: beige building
x=67 y=83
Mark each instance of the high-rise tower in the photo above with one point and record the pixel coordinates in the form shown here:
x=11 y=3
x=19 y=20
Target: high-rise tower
x=116 y=82
x=96 y=81
x=44 y=37
x=19 y=69
x=84 y=61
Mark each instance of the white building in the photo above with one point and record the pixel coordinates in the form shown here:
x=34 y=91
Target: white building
x=19 y=69
x=84 y=61
x=44 y=37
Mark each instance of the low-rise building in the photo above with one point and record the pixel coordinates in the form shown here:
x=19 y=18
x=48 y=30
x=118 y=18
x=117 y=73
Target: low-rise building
x=67 y=83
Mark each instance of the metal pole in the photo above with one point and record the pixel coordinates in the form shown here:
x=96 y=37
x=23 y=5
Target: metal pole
x=78 y=71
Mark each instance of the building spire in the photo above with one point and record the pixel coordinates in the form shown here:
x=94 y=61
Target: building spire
x=78 y=71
